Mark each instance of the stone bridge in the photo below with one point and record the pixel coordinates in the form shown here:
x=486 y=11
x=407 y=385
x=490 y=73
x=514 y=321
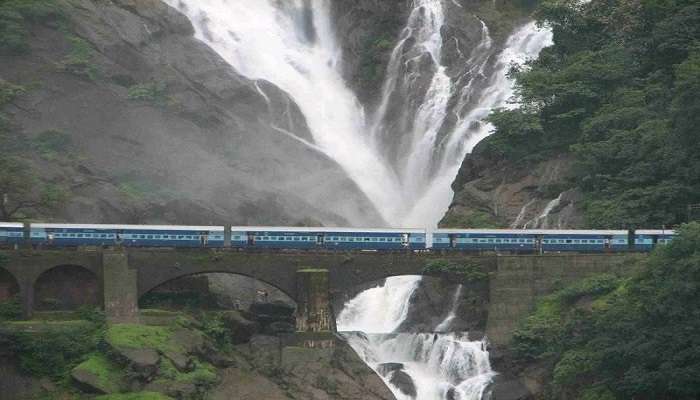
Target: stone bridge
x=122 y=276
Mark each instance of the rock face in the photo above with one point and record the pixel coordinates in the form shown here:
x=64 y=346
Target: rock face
x=162 y=129
x=434 y=300
x=492 y=192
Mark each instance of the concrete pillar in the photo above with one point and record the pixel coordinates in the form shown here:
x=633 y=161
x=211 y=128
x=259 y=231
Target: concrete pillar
x=120 y=284
x=314 y=312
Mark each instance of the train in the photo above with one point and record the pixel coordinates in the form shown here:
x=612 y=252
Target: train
x=331 y=239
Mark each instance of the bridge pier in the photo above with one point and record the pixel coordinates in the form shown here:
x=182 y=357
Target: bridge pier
x=26 y=295
x=121 y=299
x=314 y=313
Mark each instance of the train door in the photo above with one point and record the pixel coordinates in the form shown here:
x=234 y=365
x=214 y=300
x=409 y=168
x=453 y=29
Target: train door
x=631 y=239
x=539 y=245
x=607 y=244
x=204 y=239
x=319 y=240
x=404 y=239
x=453 y=240
x=251 y=239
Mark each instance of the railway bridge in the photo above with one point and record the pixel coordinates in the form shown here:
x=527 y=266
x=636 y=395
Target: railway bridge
x=123 y=275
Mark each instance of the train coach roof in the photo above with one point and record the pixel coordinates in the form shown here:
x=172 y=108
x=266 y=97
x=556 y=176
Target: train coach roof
x=323 y=230
x=655 y=232
x=131 y=227
x=11 y=225
x=535 y=231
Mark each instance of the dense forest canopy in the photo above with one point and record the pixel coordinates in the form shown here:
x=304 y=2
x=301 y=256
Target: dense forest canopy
x=613 y=337
x=619 y=90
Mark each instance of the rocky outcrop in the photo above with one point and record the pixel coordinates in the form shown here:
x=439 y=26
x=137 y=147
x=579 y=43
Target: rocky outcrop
x=161 y=129
x=496 y=193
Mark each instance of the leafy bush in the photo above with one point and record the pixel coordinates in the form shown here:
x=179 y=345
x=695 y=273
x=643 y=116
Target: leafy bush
x=55 y=350
x=634 y=338
x=79 y=60
x=468 y=272
x=15 y=17
x=135 y=396
x=10 y=309
x=52 y=144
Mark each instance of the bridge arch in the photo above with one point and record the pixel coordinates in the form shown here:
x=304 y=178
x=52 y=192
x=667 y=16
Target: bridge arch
x=9 y=285
x=177 y=275
x=67 y=287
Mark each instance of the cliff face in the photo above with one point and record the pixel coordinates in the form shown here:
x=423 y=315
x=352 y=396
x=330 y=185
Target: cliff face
x=496 y=193
x=160 y=128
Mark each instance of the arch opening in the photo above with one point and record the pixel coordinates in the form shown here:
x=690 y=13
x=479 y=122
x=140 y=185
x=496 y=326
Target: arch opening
x=10 y=307
x=213 y=291
x=66 y=288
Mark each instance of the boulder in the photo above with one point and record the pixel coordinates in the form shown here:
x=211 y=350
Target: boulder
x=181 y=362
x=504 y=387
x=387 y=368
x=89 y=382
x=398 y=377
x=240 y=328
x=178 y=390
x=144 y=362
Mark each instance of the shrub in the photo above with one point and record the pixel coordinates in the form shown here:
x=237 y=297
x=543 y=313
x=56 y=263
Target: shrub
x=16 y=15
x=468 y=272
x=10 y=309
x=52 y=144
x=55 y=350
x=154 y=93
x=79 y=60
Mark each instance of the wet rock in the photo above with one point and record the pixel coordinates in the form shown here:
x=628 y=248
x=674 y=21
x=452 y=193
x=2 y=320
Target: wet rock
x=504 y=387
x=178 y=390
x=181 y=362
x=89 y=382
x=240 y=328
x=387 y=368
x=143 y=362
x=403 y=382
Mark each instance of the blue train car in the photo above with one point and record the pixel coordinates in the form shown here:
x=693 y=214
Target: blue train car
x=648 y=239
x=485 y=240
x=303 y=238
x=11 y=233
x=127 y=235
x=586 y=241
x=375 y=239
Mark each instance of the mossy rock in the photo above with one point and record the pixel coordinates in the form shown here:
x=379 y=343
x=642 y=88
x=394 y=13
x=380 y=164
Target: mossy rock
x=135 y=336
x=98 y=374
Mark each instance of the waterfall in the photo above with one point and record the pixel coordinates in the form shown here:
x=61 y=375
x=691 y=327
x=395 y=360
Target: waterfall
x=440 y=366
x=444 y=326
x=404 y=156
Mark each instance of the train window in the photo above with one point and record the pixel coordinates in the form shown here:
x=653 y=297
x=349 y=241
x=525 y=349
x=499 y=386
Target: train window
x=568 y=240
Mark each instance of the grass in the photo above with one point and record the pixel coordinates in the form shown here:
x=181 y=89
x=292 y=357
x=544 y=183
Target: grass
x=108 y=375
x=203 y=373
x=134 y=336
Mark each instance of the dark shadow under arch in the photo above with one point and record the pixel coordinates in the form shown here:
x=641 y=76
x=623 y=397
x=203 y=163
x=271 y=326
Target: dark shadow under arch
x=212 y=290
x=67 y=287
x=9 y=287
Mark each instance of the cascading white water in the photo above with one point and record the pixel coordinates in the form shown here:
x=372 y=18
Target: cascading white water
x=293 y=45
x=441 y=365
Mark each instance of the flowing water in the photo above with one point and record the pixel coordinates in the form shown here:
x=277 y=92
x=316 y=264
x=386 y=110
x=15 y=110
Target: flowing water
x=404 y=156
x=440 y=365
x=407 y=176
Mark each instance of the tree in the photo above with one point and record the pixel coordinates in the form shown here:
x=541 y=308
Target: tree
x=20 y=192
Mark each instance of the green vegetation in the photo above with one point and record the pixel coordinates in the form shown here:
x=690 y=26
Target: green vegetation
x=136 y=396
x=618 y=90
x=376 y=49
x=135 y=336
x=153 y=93
x=10 y=310
x=79 y=60
x=468 y=272
x=108 y=374
x=203 y=374
x=611 y=337
x=55 y=348
x=52 y=144
x=15 y=18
